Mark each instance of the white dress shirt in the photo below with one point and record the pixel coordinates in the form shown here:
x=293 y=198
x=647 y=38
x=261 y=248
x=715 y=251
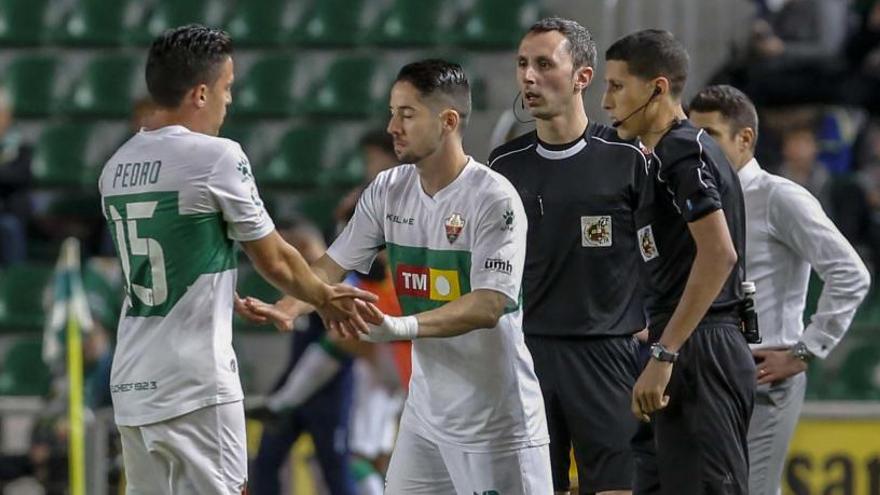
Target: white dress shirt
x=787 y=232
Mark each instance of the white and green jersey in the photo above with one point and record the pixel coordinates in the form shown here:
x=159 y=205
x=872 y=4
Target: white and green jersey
x=478 y=390
x=175 y=201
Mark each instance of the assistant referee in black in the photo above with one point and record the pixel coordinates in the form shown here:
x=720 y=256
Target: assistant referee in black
x=579 y=185
x=698 y=388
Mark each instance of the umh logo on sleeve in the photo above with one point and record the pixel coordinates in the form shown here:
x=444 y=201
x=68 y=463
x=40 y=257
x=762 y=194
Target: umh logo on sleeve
x=427 y=283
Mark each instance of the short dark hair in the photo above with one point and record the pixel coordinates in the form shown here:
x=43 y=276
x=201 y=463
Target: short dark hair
x=653 y=53
x=439 y=76
x=184 y=57
x=581 y=46
x=736 y=108
x=378 y=138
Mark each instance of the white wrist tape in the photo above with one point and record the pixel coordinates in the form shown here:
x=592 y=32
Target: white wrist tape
x=393 y=328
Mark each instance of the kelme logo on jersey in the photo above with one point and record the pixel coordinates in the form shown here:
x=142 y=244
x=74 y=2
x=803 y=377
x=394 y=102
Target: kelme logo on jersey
x=454 y=225
x=427 y=283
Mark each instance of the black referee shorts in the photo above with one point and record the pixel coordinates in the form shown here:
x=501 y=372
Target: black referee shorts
x=587 y=385
x=701 y=436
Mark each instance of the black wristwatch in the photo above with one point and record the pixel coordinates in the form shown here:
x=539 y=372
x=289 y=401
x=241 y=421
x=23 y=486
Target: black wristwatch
x=660 y=353
x=801 y=352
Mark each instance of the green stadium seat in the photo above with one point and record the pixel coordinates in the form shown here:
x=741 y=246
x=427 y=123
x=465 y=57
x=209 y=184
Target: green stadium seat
x=859 y=374
x=30 y=80
x=257 y=23
x=496 y=24
x=298 y=159
x=22 y=22
x=21 y=297
x=319 y=208
x=346 y=90
x=407 y=23
x=330 y=23
x=60 y=157
x=167 y=14
x=347 y=172
x=105 y=298
x=24 y=372
x=240 y=132
x=93 y=23
x=267 y=90
x=105 y=88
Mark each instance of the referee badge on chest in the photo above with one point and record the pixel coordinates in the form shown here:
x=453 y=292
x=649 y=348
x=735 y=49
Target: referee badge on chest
x=647 y=244
x=454 y=225
x=596 y=231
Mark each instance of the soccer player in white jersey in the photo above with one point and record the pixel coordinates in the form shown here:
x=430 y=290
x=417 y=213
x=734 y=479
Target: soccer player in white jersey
x=455 y=233
x=177 y=198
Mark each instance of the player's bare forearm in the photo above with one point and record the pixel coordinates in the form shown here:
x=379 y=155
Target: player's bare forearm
x=326 y=270
x=478 y=309
x=715 y=258
x=283 y=266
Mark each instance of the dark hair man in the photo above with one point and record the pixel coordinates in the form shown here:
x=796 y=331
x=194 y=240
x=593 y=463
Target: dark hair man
x=580 y=187
x=698 y=387
x=176 y=199
x=455 y=233
x=787 y=234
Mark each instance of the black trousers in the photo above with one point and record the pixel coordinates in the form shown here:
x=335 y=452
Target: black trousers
x=699 y=443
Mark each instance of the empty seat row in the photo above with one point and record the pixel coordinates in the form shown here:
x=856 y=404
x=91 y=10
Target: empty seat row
x=70 y=155
x=324 y=23
x=353 y=86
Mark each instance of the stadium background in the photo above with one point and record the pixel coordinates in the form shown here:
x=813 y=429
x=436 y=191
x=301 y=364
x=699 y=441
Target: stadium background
x=311 y=77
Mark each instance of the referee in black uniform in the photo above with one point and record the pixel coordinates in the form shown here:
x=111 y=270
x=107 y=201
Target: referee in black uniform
x=698 y=387
x=578 y=183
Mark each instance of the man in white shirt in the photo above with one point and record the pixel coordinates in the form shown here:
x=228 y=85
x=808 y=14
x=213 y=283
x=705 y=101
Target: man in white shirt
x=787 y=233
x=176 y=199
x=455 y=232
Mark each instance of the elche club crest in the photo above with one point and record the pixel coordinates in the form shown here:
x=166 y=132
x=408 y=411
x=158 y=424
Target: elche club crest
x=454 y=224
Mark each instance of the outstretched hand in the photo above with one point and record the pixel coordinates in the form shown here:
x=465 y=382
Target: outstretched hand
x=341 y=312
x=282 y=318
x=241 y=308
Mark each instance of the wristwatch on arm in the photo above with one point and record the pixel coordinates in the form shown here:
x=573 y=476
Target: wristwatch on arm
x=660 y=353
x=801 y=352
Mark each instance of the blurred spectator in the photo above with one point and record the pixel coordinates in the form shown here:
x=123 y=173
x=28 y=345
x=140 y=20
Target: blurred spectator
x=15 y=176
x=792 y=41
x=800 y=151
x=863 y=54
x=313 y=394
x=377 y=149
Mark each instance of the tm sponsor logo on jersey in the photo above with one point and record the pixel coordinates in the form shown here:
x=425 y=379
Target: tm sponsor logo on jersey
x=427 y=283
x=391 y=217
x=498 y=265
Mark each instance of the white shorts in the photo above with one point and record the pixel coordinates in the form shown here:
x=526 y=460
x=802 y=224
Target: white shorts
x=375 y=413
x=421 y=467
x=200 y=452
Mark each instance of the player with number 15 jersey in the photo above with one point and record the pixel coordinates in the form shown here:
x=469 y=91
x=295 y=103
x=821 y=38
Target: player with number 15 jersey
x=175 y=201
